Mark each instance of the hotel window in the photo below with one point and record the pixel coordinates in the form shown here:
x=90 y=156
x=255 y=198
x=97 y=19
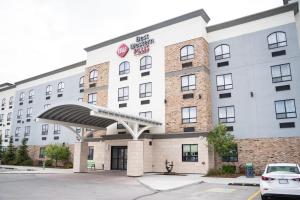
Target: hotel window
x=80 y=99
x=147 y=114
x=8 y=117
x=190 y=153
x=187 y=53
x=281 y=73
x=1 y=118
x=145 y=90
x=56 y=129
x=188 y=82
x=124 y=68
x=22 y=96
x=27 y=131
x=226 y=114
x=277 y=39
x=145 y=62
x=49 y=90
x=18 y=132
x=189 y=115
x=46 y=106
x=92 y=98
x=6 y=133
x=61 y=87
x=231 y=155
x=29 y=112
x=285 y=109
x=31 y=94
x=11 y=100
x=222 y=51
x=90 y=153
x=3 y=102
x=81 y=82
x=42 y=152
x=45 y=128
x=123 y=94
x=93 y=76
x=224 y=82
x=20 y=113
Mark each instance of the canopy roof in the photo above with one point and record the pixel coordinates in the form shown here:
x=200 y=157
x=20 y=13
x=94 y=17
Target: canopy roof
x=88 y=116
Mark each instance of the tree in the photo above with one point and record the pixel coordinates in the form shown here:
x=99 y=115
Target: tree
x=221 y=140
x=57 y=152
x=22 y=157
x=1 y=152
x=9 y=154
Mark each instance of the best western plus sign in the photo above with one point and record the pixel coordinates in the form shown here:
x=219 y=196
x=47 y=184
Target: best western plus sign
x=122 y=50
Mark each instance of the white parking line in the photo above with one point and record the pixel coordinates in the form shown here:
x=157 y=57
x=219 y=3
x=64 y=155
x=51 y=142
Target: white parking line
x=220 y=190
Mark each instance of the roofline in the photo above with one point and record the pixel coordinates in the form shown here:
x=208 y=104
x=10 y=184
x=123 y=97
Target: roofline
x=7 y=88
x=163 y=24
x=66 y=68
x=5 y=84
x=275 y=11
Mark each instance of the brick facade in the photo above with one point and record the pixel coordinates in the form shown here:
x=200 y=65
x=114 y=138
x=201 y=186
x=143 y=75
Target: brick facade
x=201 y=95
x=263 y=151
x=101 y=87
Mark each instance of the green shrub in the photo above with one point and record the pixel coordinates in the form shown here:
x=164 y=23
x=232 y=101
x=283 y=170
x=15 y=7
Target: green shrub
x=68 y=165
x=57 y=153
x=48 y=163
x=228 y=169
x=214 y=172
x=27 y=162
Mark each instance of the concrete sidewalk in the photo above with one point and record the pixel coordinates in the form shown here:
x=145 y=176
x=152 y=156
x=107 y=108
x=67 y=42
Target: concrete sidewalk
x=12 y=169
x=169 y=182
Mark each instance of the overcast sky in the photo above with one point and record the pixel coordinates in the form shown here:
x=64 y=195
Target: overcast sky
x=37 y=36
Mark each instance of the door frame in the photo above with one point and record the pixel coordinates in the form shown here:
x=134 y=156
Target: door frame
x=111 y=156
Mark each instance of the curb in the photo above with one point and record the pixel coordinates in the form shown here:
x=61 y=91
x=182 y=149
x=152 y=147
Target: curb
x=245 y=184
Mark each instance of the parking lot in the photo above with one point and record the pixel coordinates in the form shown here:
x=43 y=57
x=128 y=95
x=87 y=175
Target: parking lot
x=107 y=186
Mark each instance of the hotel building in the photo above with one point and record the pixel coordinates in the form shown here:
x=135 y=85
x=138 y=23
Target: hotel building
x=153 y=95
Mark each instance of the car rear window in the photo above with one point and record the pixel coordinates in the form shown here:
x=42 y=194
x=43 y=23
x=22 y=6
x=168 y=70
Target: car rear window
x=291 y=169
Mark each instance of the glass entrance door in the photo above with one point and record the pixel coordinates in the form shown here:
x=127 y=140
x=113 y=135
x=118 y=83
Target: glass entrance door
x=119 y=158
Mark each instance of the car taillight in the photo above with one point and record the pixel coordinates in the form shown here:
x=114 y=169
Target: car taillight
x=265 y=178
x=296 y=179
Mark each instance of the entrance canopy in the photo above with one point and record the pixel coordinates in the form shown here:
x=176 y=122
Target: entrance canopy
x=85 y=115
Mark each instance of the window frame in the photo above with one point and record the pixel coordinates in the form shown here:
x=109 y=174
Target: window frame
x=280 y=66
x=276 y=43
x=93 y=75
x=187 y=56
x=286 y=113
x=29 y=112
x=49 y=90
x=189 y=119
x=222 y=56
x=31 y=94
x=183 y=157
x=22 y=97
x=81 y=82
x=123 y=98
x=56 y=129
x=147 y=65
x=17 y=131
x=188 y=87
x=146 y=94
x=145 y=113
x=226 y=114
x=60 y=87
x=20 y=114
x=223 y=75
x=45 y=129
x=42 y=152
x=125 y=71
x=91 y=150
x=8 y=117
x=3 y=102
x=92 y=102
x=11 y=100
x=232 y=156
x=27 y=131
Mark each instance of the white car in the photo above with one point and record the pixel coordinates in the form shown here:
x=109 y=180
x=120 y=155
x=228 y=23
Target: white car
x=281 y=179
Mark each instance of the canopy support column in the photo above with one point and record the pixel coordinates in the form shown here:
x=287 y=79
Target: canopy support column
x=80 y=157
x=135 y=159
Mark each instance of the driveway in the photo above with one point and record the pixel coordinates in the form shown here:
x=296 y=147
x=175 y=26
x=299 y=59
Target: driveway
x=108 y=185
